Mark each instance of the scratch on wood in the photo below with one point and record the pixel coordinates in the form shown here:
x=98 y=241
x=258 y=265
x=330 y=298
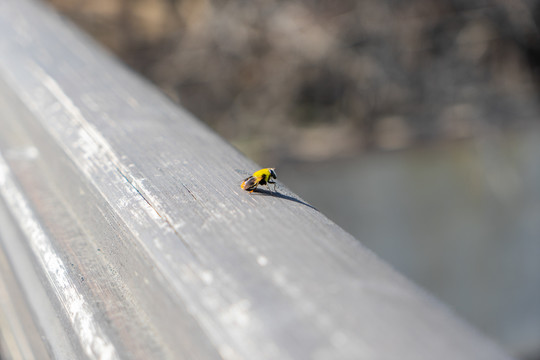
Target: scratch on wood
x=163 y=218
x=190 y=193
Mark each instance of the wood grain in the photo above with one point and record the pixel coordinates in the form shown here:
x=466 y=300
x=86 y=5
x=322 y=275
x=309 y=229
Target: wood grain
x=145 y=244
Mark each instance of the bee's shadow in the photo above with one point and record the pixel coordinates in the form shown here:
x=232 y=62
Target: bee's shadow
x=263 y=192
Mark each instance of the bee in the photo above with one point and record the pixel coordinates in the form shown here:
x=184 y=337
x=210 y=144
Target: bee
x=260 y=177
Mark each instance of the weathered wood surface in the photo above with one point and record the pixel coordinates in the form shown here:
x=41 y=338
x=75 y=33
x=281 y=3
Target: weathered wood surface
x=125 y=233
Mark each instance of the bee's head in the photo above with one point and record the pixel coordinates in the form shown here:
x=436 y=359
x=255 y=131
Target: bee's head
x=273 y=173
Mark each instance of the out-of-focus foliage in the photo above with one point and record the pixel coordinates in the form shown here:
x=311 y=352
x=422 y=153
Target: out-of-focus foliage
x=319 y=79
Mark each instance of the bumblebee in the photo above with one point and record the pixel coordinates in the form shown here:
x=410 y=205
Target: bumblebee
x=260 y=177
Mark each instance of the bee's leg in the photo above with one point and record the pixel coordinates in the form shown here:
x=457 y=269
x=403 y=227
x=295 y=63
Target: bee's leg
x=272 y=182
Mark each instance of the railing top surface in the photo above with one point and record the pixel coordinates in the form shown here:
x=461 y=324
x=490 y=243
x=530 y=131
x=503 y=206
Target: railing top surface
x=261 y=275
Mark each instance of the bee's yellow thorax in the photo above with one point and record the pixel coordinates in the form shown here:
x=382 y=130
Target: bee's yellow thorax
x=263 y=173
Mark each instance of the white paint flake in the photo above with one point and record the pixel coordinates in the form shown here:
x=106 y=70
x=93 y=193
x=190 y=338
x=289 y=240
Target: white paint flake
x=262 y=260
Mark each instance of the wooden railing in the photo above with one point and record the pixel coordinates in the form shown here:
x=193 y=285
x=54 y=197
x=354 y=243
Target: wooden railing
x=125 y=235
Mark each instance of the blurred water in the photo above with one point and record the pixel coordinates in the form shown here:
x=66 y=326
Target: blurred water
x=461 y=220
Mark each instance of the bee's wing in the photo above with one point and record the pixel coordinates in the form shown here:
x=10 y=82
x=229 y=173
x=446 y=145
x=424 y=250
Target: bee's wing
x=251 y=182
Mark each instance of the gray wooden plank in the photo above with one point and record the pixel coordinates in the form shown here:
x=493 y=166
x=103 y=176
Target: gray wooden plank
x=177 y=260
x=20 y=336
x=95 y=251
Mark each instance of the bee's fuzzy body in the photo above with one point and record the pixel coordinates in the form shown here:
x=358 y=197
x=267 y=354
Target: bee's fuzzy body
x=260 y=177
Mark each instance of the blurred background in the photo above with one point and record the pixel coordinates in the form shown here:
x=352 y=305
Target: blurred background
x=415 y=125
